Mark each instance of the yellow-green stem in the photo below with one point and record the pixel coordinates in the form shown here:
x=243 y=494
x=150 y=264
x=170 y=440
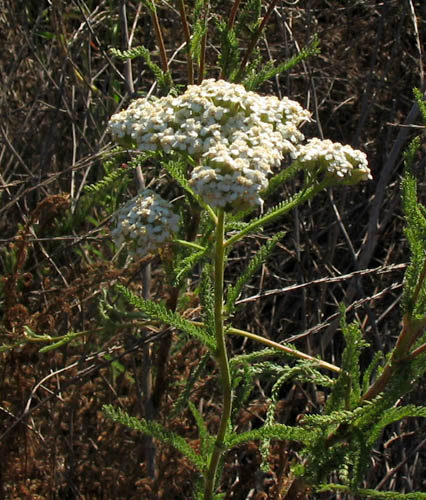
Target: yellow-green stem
x=221 y=358
x=288 y=350
x=280 y=347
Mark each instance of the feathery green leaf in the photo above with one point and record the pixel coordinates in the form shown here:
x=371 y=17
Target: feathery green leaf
x=163 y=78
x=254 y=265
x=157 y=431
x=159 y=312
x=276 y=431
x=255 y=78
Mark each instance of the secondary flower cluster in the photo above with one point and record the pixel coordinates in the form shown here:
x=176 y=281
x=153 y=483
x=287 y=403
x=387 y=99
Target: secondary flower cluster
x=235 y=136
x=337 y=160
x=145 y=223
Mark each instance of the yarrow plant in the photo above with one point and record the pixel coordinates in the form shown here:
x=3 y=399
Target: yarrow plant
x=231 y=142
x=211 y=155
x=227 y=148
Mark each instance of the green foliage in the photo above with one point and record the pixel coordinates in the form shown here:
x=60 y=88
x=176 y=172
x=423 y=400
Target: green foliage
x=158 y=312
x=281 y=178
x=242 y=386
x=229 y=55
x=368 y=493
x=250 y=16
x=394 y=414
x=206 y=439
x=107 y=182
x=255 y=77
x=157 y=431
x=164 y=79
x=346 y=392
x=244 y=370
x=349 y=427
x=276 y=431
x=206 y=295
x=414 y=294
x=176 y=168
x=421 y=102
x=254 y=265
x=370 y=370
x=279 y=210
x=105 y=194
x=183 y=267
x=303 y=372
x=199 y=30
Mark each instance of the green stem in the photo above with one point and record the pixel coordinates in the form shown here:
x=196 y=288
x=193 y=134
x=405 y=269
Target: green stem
x=221 y=358
x=300 y=197
x=284 y=348
x=188 y=244
x=281 y=347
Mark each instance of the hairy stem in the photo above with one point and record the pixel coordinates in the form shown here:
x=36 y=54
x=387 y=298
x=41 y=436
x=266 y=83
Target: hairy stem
x=222 y=359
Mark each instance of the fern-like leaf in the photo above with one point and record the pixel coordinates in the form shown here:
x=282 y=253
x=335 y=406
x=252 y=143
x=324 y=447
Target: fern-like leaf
x=276 y=431
x=255 y=263
x=108 y=181
x=414 y=293
x=255 y=79
x=368 y=493
x=421 y=102
x=250 y=16
x=229 y=55
x=184 y=266
x=157 y=431
x=163 y=78
x=371 y=368
x=347 y=389
x=159 y=312
x=280 y=179
x=205 y=438
x=394 y=415
x=207 y=299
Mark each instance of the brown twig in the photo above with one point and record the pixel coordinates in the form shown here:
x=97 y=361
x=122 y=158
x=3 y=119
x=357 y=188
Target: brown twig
x=255 y=39
x=159 y=37
x=184 y=21
x=128 y=76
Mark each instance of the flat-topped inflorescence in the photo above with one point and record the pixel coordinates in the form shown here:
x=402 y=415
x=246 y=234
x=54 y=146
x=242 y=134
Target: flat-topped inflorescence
x=145 y=223
x=336 y=160
x=234 y=136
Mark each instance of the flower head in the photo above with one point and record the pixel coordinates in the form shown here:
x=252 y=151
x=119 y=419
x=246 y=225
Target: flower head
x=145 y=223
x=235 y=136
x=340 y=161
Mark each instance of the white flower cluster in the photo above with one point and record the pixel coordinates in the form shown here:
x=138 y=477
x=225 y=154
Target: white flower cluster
x=235 y=136
x=145 y=223
x=337 y=160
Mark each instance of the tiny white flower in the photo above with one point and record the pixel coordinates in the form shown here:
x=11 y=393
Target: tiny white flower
x=145 y=223
x=335 y=159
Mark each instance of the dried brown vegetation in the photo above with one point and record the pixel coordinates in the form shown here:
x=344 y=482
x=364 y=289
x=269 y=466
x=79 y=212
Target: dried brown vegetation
x=58 y=87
